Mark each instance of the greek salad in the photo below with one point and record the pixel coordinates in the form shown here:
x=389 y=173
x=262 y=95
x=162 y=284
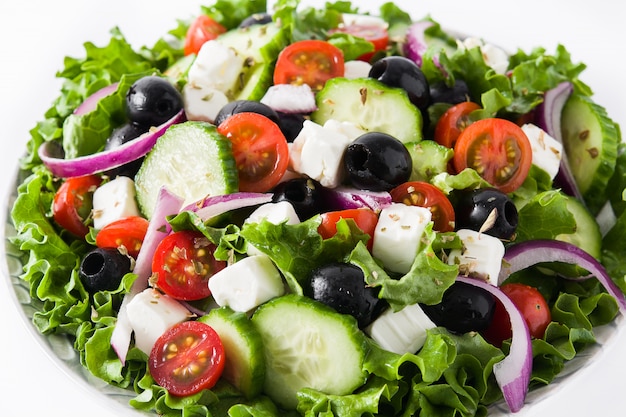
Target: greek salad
x=323 y=212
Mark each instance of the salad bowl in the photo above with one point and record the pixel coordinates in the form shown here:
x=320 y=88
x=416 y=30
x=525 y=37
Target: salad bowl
x=42 y=374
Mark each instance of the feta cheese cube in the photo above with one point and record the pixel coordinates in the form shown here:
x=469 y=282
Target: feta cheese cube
x=401 y=331
x=356 y=69
x=398 y=235
x=481 y=256
x=217 y=66
x=202 y=103
x=547 y=151
x=247 y=283
x=114 y=200
x=493 y=56
x=274 y=213
x=150 y=314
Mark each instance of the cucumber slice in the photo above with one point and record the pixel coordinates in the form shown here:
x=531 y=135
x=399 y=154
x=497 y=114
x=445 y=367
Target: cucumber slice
x=587 y=235
x=256 y=81
x=258 y=43
x=245 y=361
x=590 y=140
x=192 y=160
x=371 y=105
x=308 y=344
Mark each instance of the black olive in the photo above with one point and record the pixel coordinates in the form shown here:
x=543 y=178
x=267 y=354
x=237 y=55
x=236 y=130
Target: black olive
x=463 y=308
x=442 y=93
x=487 y=210
x=152 y=100
x=401 y=72
x=304 y=194
x=256 y=19
x=378 y=162
x=342 y=286
x=291 y=125
x=102 y=269
x=243 y=106
x=120 y=136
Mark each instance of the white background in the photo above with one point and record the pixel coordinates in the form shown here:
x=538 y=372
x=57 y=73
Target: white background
x=35 y=35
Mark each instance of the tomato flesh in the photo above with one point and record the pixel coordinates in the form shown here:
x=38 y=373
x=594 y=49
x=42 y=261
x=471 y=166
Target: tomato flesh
x=128 y=232
x=498 y=150
x=187 y=358
x=454 y=121
x=72 y=203
x=530 y=303
x=364 y=218
x=423 y=194
x=260 y=149
x=311 y=62
x=183 y=263
x=201 y=30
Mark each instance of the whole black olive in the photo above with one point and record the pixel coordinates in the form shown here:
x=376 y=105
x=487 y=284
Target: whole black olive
x=487 y=210
x=243 y=106
x=152 y=100
x=304 y=194
x=102 y=269
x=290 y=124
x=442 y=93
x=256 y=19
x=120 y=136
x=463 y=308
x=342 y=286
x=378 y=162
x=397 y=71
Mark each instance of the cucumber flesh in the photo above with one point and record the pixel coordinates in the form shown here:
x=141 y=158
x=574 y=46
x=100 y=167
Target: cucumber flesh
x=192 y=160
x=587 y=235
x=371 y=105
x=590 y=140
x=308 y=345
x=245 y=361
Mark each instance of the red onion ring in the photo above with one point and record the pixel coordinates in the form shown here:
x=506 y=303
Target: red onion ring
x=91 y=102
x=216 y=205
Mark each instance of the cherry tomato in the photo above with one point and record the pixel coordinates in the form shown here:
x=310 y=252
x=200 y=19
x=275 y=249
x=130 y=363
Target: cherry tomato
x=183 y=264
x=453 y=122
x=311 y=62
x=530 y=303
x=201 y=30
x=498 y=150
x=378 y=36
x=72 y=203
x=423 y=194
x=365 y=219
x=187 y=358
x=260 y=149
x=128 y=232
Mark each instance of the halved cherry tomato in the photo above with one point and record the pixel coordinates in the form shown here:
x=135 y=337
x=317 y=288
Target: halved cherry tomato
x=72 y=203
x=201 y=30
x=260 y=149
x=187 y=358
x=365 y=219
x=183 y=263
x=533 y=306
x=423 y=194
x=377 y=35
x=128 y=232
x=498 y=150
x=453 y=122
x=311 y=62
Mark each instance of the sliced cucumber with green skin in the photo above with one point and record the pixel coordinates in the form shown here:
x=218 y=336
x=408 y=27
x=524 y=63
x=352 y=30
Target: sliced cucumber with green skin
x=371 y=105
x=255 y=82
x=258 y=43
x=590 y=139
x=587 y=235
x=309 y=345
x=192 y=160
x=245 y=360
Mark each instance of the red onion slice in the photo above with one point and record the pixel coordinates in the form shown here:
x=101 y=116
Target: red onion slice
x=525 y=254
x=92 y=101
x=102 y=161
x=513 y=372
x=216 y=205
x=167 y=204
x=344 y=198
x=416 y=44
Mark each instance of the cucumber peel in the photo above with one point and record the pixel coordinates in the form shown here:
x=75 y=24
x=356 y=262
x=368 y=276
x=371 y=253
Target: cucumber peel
x=309 y=345
x=590 y=140
x=191 y=160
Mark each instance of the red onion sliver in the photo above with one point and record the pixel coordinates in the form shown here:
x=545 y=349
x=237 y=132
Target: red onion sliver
x=416 y=42
x=525 y=254
x=344 y=198
x=167 y=204
x=91 y=102
x=102 y=161
x=513 y=372
x=220 y=204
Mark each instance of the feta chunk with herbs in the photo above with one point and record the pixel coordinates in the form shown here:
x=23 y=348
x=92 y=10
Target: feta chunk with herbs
x=547 y=151
x=202 y=103
x=216 y=66
x=114 y=200
x=398 y=235
x=480 y=257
